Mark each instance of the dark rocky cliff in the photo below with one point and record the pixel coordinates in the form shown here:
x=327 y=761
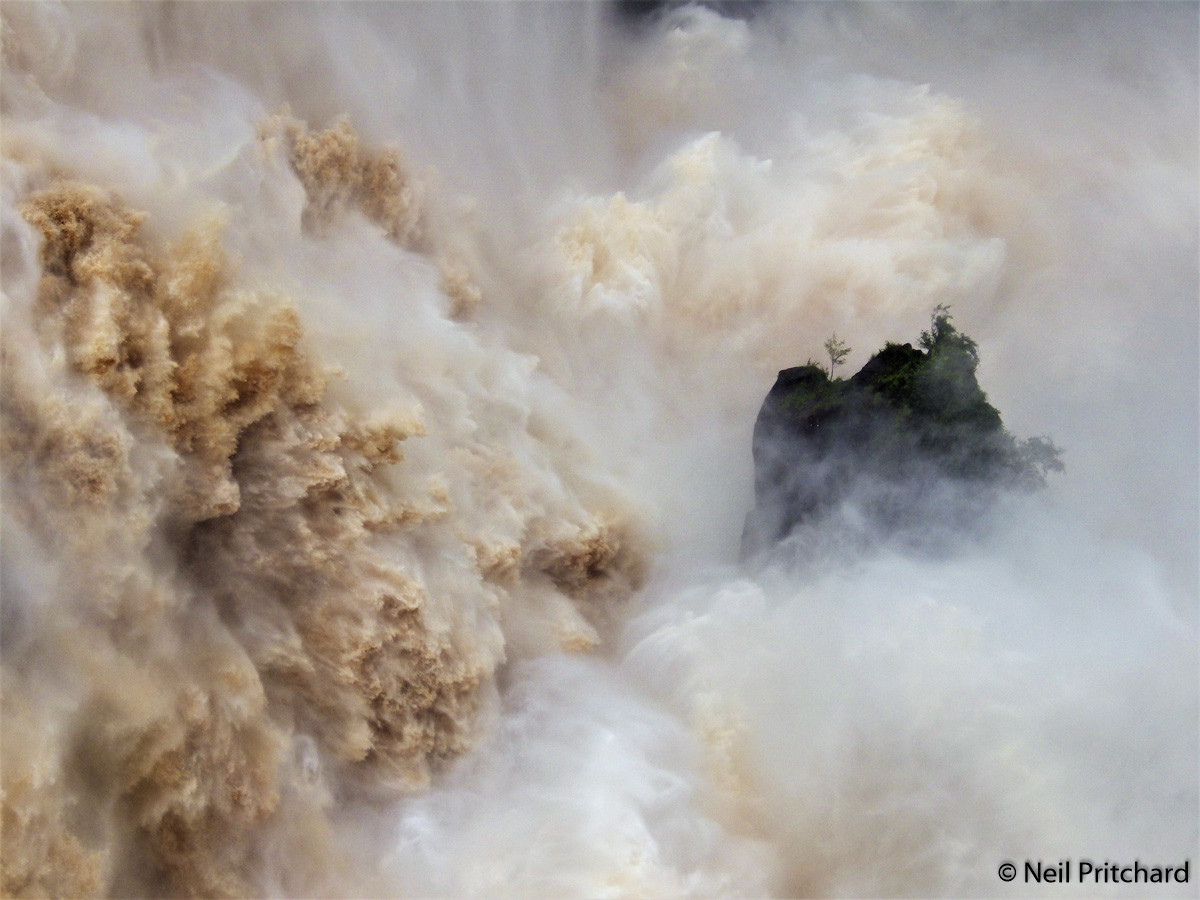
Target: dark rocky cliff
x=908 y=448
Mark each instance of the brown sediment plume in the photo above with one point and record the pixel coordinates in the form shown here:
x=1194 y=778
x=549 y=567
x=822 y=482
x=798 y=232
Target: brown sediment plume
x=460 y=287
x=235 y=564
x=584 y=562
x=340 y=173
x=346 y=647
x=166 y=338
x=41 y=857
x=172 y=733
x=600 y=567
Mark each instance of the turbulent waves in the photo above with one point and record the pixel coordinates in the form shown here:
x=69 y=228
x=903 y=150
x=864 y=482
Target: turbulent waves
x=377 y=391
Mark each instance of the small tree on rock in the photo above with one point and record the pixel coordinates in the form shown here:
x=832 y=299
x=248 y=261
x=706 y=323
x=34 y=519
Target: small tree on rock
x=837 y=350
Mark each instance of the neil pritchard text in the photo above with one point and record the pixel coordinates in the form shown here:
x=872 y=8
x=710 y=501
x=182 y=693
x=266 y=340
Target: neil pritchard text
x=1086 y=871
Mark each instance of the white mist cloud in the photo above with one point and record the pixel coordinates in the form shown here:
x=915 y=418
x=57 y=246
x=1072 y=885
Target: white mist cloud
x=342 y=558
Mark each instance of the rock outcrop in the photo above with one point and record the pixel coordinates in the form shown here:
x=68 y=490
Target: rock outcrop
x=908 y=448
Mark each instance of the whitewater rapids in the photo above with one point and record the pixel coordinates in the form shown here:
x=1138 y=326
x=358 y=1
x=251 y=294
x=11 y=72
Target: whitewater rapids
x=377 y=390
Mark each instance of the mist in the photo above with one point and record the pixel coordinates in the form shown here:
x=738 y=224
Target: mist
x=378 y=383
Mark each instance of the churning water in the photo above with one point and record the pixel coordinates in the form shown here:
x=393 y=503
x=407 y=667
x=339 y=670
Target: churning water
x=378 y=382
